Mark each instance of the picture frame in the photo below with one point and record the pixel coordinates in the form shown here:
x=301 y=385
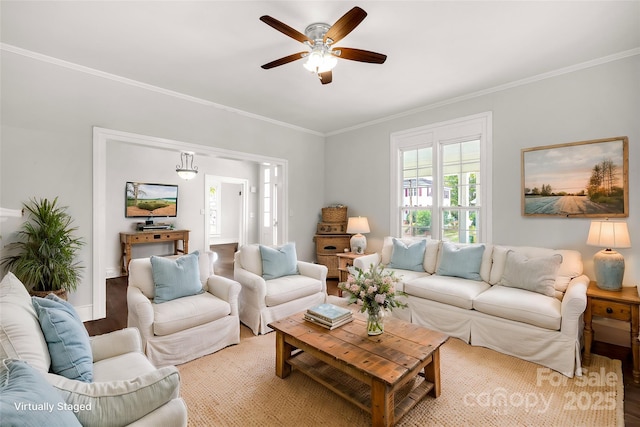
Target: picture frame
x=577 y=179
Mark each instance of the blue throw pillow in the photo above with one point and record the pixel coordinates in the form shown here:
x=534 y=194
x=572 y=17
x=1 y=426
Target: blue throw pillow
x=409 y=257
x=66 y=337
x=278 y=262
x=176 y=278
x=27 y=399
x=461 y=261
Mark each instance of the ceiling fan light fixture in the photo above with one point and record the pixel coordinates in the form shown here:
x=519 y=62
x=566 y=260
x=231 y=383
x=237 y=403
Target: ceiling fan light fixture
x=320 y=61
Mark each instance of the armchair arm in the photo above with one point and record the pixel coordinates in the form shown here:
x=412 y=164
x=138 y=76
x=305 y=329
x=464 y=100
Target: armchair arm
x=115 y=343
x=365 y=262
x=225 y=289
x=574 y=303
x=317 y=271
x=141 y=314
x=252 y=284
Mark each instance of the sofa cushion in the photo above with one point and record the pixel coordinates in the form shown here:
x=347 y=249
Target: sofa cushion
x=278 y=261
x=67 y=339
x=289 y=288
x=405 y=276
x=570 y=268
x=27 y=399
x=521 y=306
x=176 y=278
x=532 y=274
x=408 y=256
x=430 y=253
x=188 y=312
x=20 y=333
x=446 y=289
x=120 y=400
x=461 y=261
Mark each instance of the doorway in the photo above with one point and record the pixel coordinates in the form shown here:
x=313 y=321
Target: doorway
x=226 y=218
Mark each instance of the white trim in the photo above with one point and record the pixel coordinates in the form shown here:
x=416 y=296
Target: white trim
x=101 y=137
x=566 y=70
x=478 y=124
x=243 y=229
x=510 y=85
x=152 y=88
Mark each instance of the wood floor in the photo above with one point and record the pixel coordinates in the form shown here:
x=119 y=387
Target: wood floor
x=117 y=319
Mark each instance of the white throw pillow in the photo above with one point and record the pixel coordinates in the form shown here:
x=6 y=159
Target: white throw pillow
x=20 y=333
x=118 y=403
x=532 y=274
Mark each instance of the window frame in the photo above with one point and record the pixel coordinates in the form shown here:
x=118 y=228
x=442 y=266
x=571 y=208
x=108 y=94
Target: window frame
x=478 y=126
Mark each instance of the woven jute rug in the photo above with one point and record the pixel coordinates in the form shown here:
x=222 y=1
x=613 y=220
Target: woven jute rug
x=237 y=386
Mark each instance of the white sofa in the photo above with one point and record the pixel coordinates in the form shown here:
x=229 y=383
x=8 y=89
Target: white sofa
x=183 y=329
x=126 y=389
x=545 y=329
x=264 y=301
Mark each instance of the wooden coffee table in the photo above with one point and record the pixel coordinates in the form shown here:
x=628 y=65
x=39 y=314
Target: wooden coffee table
x=382 y=364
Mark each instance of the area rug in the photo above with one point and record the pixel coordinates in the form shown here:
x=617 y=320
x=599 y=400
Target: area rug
x=237 y=386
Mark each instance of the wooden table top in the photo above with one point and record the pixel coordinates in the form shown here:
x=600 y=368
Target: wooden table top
x=390 y=356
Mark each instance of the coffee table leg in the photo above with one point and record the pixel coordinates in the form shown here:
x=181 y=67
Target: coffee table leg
x=283 y=352
x=432 y=373
x=382 y=405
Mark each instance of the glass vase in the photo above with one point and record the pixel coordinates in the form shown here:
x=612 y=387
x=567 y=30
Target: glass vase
x=375 y=322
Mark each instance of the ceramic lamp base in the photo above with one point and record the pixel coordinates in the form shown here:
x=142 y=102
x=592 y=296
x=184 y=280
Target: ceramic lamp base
x=358 y=243
x=609 y=268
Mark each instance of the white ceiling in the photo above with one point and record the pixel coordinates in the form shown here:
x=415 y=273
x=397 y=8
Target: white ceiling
x=212 y=50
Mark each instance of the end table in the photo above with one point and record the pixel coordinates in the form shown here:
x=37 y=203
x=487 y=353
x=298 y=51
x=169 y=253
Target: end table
x=619 y=305
x=345 y=260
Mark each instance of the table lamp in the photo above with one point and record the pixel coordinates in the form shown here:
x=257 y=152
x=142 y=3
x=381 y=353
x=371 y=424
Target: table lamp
x=607 y=263
x=357 y=226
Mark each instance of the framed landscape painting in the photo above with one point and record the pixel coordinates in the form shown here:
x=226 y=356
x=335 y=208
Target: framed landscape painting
x=578 y=179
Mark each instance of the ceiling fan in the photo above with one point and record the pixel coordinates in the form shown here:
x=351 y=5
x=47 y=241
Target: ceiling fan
x=319 y=37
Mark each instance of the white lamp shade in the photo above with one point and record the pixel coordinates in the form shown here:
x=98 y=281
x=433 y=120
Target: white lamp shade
x=358 y=225
x=609 y=234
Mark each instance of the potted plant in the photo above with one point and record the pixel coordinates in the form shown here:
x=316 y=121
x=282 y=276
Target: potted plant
x=44 y=257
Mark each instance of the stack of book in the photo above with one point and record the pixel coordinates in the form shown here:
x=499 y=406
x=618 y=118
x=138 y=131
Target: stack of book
x=328 y=315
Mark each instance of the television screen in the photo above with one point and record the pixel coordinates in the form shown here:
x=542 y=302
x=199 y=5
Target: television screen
x=144 y=200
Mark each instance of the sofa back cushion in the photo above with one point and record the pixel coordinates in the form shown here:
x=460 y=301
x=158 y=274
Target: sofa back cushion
x=430 y=253
x=20 y=333
x=250 y=258
x=570 y=267
x=141 y=275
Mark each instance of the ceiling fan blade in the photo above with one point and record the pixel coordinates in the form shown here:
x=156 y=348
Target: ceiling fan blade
x=285 y=29
x=345 y=25
x=326 y=77
x=285 y=60
x=360 y=55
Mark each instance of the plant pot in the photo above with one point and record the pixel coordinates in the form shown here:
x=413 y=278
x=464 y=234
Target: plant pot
x=60 y=293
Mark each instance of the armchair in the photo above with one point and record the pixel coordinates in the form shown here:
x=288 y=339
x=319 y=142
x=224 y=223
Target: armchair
x=126 y=388
x=263 y=300
x=183 y=329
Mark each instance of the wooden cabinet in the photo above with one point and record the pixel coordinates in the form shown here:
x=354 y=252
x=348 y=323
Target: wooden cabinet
x=620 y=305
x=154 y=236
x=327 y=246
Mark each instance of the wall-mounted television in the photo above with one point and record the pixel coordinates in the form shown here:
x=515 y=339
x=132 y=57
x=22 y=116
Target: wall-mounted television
x=145 y=200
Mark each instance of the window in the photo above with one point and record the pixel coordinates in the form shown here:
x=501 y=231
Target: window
x=441 y=180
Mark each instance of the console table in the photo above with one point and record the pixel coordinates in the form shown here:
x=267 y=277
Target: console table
x=153 y=236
